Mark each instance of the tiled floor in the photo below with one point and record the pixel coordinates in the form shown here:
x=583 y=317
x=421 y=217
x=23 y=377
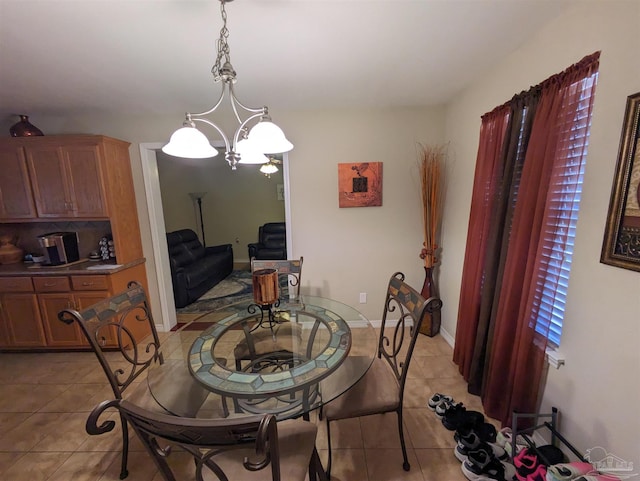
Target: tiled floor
x=45 y=399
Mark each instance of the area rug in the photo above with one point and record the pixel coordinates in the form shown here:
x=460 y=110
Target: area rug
x=233 y=289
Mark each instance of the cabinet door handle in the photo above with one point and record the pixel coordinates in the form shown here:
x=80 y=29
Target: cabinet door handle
x=49 y=284
x=85 y=283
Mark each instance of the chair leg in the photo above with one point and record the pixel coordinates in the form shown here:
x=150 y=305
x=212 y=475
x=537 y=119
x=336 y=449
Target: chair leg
x=405 y=465
x=328 y=470
x=125 y=448
x=316 y=472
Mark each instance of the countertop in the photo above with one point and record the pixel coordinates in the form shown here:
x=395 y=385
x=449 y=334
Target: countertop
x=82 y=268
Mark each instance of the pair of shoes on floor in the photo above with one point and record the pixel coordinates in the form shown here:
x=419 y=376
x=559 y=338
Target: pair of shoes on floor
x=531 y=463
x=458 y=417
x=504 y=439
x=482 y=436
x=438 y=399
x=571 y=471
x=482 y=465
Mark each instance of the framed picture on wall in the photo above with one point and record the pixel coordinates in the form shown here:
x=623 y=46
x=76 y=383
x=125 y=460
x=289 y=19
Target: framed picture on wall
x=360 y=184
x=621 y=246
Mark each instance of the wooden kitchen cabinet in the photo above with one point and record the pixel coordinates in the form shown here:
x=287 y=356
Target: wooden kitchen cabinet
x=55 y=294
x=71 y=178
x=67 y=180
x=19 y=314
x=16 y=196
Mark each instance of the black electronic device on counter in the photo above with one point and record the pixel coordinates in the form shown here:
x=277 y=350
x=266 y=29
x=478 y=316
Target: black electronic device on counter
x=60 y=248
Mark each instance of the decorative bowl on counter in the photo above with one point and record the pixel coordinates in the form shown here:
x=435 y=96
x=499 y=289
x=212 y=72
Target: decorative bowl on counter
x=9 y=252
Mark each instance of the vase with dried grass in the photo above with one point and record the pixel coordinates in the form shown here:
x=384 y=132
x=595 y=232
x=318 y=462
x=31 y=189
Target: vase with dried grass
x=431 y=165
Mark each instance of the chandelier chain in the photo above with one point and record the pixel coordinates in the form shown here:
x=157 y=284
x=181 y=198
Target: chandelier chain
x=222 y=45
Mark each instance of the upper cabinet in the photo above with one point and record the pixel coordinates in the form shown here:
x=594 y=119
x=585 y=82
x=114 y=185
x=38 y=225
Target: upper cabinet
x=67 y=180
x=16 y=197
x=71 y=177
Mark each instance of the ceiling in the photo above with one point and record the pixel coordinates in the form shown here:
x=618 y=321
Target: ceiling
x=150 y=57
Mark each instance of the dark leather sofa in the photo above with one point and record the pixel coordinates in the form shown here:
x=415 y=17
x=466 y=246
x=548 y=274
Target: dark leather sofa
x=194 y=268
x=272 y=242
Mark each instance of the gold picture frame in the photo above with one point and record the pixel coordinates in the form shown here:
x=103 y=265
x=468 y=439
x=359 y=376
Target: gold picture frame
x=621 y=245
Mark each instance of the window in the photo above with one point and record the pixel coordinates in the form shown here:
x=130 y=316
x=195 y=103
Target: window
x=561 y=216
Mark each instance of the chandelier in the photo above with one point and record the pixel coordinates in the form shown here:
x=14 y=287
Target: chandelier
x=255 y=136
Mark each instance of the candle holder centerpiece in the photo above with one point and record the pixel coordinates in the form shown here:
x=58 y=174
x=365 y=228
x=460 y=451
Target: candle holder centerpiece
x=266 y=296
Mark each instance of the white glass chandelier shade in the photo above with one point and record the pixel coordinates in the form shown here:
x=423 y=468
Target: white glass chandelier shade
x=190 y=143
x=269 y=138
x=249 y=154
x=264 y=136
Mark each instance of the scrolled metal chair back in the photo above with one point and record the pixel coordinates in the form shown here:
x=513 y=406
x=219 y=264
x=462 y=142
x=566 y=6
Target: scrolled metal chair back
x=203 y=438
x=406 y=306
x=108 y=324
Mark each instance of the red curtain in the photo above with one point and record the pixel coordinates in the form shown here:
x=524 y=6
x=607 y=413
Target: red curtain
x=497 y=347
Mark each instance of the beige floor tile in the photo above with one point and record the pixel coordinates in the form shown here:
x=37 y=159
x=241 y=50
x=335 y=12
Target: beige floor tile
x=347 y=464
x=67 y=433
x=439 y=465
x=35 y=466
x=30 y=432
x=417 y=393
x=426 y=430
x=431 y=367
x=82 y=466
x=345 y=433
x=9 y=421
x=7 y=460
x=79 y=398
x=28 y=397
x=381 y=431
x=140 y=466
x=386 y=465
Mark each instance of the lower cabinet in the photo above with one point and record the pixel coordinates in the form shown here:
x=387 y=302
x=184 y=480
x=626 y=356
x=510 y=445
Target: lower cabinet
x=29 y=308
x=55 y=294
x=21 y=322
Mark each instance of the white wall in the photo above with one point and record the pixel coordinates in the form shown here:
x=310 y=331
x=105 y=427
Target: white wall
x=598 y=390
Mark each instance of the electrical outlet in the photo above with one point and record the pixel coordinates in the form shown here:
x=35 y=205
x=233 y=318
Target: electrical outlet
x=363 y=298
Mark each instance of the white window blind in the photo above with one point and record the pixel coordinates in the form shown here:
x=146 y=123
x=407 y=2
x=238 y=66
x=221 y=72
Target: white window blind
x=561 y=215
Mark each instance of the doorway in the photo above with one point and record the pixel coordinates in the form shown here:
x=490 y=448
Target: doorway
x=160 y=259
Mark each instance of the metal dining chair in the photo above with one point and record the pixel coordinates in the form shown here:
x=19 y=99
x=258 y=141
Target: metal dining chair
x=227 y=447
x=381 y=390
x=260 y=341
x=123 y=336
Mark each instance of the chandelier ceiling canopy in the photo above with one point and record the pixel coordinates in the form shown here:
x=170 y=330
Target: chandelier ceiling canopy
x=255 y=136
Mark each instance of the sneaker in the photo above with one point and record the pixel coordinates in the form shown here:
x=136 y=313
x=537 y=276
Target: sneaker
x=444 y=406
x=504 y=438
x=539 y=474
x=482 y=466
x=462 y=450
x=569 y=471
x=436 y=399
x=457 y=417
x=526 y=463
x=485 y=431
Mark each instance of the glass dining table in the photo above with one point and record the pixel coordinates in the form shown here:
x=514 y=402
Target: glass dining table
x=287 y=360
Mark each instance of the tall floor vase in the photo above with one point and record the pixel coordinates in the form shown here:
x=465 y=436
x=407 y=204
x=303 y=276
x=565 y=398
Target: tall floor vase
x=431 y=324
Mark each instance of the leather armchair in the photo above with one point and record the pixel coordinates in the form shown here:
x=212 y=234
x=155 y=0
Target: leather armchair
x=272 y=242
x=194 y=268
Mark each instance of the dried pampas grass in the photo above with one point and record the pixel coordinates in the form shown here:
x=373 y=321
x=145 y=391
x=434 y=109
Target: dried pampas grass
x=431 y=165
